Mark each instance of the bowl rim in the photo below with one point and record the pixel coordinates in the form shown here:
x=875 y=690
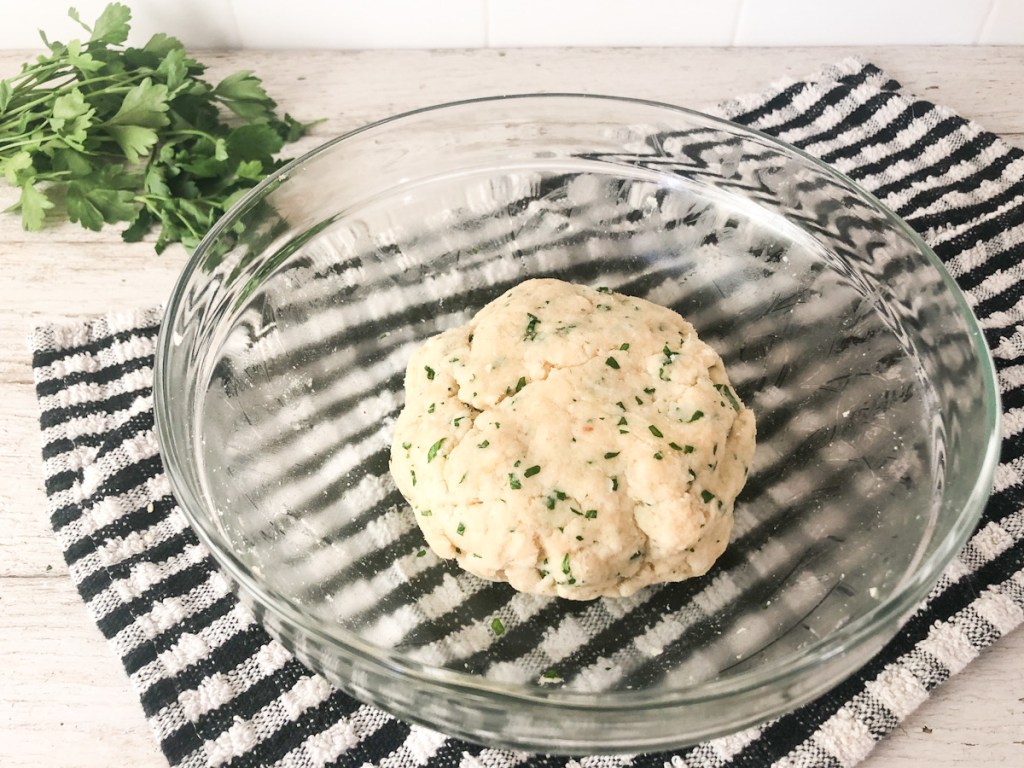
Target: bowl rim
x=882 y=620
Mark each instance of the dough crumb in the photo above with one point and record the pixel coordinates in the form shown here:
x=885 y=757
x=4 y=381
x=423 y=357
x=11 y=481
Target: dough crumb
x=572 y=442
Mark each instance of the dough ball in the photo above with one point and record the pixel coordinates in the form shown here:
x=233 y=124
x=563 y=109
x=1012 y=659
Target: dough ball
x=572 y=442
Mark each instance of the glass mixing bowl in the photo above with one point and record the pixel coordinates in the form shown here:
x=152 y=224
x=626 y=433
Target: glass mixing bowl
x=279 y=376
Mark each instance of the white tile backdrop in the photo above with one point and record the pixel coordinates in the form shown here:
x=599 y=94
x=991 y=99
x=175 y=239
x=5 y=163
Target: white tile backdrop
x=508 y=23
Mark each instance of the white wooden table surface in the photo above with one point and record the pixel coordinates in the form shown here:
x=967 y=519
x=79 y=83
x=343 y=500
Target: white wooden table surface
x=64 y=699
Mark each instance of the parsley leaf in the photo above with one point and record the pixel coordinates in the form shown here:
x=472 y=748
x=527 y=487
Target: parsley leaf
x=145 y=105
x=112 y=25
x=34 y=205
x=243 y=94
x=135 y=140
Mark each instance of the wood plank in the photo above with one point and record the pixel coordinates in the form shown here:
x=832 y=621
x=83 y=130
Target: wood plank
x=972 y=720
x=64 y=698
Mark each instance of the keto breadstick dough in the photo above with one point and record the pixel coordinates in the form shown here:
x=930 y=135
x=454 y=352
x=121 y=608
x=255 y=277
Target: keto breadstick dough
x=572 y=442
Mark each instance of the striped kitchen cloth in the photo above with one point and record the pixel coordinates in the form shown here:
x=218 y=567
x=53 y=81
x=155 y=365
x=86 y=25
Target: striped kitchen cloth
x=219 y=692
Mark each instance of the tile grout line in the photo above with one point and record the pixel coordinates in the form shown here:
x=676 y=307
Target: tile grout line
x=487 y=23
x=986 y=21
x=740 y=8
x=236 y=27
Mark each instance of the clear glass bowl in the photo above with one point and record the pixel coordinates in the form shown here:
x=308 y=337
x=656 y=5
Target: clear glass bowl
x=279 y=375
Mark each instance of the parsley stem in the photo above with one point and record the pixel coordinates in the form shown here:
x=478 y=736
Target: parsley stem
x=193 y=132
x=5 y=145
x=184 y=220
x=62 y=89
x=35 y=75
x=10 y=113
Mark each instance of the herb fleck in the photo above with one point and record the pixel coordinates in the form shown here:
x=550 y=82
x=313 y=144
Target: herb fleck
x=426 y=513
x=513 y=482
x=407 y=446
x=615 y=483
x=430 y=372
x=590 y=514
x=604 y=289
x=421 y=553
x=707 y=496
x=413 y=473
x=624 y=346
x=622 y=421
x=432 y=451
x=497 y=627
x=484 y=444
x=531 y=471
x=621 y=406
x=659 y=456
x=521 y=383
x=531 y=327
x=655 y=431
x=554 y=496
x=611 y=362
x=638 y=400
x=724 y=389
x=650 y=390
x=565 y=564
x=430 y=408
x=461 y=529
x=611 y=454
x=696 y=415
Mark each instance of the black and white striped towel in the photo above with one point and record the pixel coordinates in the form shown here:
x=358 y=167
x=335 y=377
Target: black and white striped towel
x=219 y=692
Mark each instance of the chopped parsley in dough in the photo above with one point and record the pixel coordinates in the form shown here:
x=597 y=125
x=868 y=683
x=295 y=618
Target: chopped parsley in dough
x=572 y=442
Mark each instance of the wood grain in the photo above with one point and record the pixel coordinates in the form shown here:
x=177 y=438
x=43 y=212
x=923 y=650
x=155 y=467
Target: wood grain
x=64 y=700
x=64 y=697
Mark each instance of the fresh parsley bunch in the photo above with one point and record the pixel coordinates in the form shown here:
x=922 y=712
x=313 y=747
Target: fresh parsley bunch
x=110 y=133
